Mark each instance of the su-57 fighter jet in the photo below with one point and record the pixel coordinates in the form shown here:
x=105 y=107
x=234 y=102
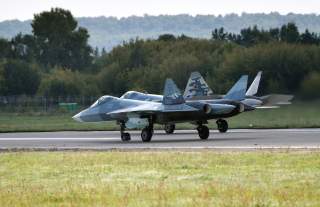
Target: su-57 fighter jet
x=144 y=114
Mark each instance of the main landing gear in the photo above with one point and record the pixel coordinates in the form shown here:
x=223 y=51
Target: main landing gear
x=222 y=125
x=169 y=128
x=203 y=131
x=146 y=133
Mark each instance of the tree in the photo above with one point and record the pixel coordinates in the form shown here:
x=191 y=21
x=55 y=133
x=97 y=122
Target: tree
x=275 y=33
x=61 y=83
x=289 y=33
x=96 y=52
x=103 y=52
x=309 y=38
x=19 y=77
x=111 y=81
x=219 y=34
x=23 y=47
x=310 y=86
x=167 y=37
x=59 y=40
x=5 y=48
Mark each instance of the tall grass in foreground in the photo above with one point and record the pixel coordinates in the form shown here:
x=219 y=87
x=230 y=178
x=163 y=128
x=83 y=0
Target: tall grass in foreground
x=160 y=179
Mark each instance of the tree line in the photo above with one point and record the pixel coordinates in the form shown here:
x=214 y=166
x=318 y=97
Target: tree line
x=250 y=36
x=110 y=31
x=56 y=60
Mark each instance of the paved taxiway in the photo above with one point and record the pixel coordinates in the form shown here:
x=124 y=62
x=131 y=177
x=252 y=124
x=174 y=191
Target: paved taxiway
x=181 y=139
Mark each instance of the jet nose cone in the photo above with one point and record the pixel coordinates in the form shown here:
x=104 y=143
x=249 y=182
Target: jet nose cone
x=77 y=117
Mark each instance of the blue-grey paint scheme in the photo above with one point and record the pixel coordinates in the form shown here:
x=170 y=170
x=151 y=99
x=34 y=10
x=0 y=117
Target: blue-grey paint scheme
x=238 y=91
x=140 y=110
x=198 y=89
x=173 y=109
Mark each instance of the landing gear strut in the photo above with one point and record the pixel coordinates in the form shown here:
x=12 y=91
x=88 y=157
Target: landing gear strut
x=222 y=125
x=125 y=136
x=203 y=131
x=169 y=128
x=147 y=132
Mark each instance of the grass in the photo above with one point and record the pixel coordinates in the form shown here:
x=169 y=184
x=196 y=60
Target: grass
x=298 y=115
x=160 y=179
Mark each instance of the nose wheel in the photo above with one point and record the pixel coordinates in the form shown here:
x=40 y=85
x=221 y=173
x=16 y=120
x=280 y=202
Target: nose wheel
x=169 y=128
x=203 y=132
x=125 y=136
x=222 y=125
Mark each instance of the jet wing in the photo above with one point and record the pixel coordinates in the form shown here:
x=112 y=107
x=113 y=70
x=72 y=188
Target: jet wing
x=276 y=99
x=267 y=107
x=141 y=109
x=148 y=109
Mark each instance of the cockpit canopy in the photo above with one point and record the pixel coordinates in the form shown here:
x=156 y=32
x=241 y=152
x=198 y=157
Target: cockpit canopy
x=134 y=95
x=131 y=95
x=102 y=100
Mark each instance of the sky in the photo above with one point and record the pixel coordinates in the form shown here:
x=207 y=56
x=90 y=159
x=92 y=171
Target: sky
x=24 y=9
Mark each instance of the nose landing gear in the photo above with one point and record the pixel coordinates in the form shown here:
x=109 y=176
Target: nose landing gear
x=169 y=128
x=125 y=136
x=147 y=132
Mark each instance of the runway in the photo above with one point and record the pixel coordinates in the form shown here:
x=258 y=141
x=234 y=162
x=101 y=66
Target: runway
x=181 y=139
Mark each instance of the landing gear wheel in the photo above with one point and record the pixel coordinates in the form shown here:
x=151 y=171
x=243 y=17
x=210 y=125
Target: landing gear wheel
x=203 y=132
x=169 y=128
x=146 y=134
x=222 y=125
x=125 y=137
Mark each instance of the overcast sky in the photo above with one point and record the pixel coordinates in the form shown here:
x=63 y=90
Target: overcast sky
x=24 y=9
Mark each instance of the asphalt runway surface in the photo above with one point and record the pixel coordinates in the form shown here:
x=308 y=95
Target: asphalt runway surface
x=181 y=139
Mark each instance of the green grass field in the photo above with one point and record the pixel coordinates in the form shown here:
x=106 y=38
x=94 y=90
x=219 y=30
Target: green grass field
x=298 y=115
x=160 y=179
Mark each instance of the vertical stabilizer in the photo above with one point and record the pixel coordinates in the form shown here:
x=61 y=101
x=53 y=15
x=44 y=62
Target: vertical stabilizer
x=253 y=89
x=196 y=87
x=238 y=91
x=171 y=94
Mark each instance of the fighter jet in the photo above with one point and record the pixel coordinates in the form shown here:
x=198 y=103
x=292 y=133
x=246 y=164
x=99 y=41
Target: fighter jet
x=130 y=113
x=198 y=89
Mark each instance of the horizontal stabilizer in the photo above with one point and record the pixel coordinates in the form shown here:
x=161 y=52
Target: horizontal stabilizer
x=276 y=99
x=238 y=91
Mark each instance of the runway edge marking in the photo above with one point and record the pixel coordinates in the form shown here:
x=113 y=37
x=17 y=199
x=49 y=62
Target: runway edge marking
x=138 y=149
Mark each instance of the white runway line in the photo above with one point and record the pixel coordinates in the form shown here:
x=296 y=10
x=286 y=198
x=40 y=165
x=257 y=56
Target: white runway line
x=129 y=149
x=59 y=138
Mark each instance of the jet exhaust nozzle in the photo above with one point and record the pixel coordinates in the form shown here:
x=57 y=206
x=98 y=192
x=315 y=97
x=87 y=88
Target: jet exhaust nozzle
x=241 y=108
x=218 y=108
